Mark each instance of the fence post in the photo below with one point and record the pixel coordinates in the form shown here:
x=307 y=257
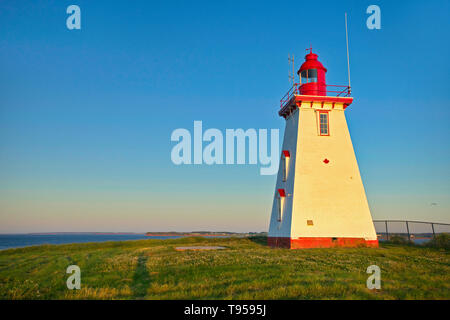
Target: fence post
x=432 y=227
x=407 y=229
x=387 y=233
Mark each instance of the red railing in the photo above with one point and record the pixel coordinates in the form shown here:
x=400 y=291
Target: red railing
x=341 y=91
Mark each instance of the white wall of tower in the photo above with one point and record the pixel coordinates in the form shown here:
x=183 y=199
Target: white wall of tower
x=283 y=228
x=330 y=195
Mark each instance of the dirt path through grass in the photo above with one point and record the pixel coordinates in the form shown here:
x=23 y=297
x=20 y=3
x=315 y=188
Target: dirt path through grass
x=141 y=278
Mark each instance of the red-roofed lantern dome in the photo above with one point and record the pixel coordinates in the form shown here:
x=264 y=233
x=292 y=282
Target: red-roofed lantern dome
x=312 y=76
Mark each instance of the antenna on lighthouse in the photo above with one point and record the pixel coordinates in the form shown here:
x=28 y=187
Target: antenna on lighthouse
x=292 y=77
x=348 y=58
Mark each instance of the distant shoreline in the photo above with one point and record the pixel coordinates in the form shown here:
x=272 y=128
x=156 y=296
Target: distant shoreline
x=9 y=241
x=156 y=233
x=28 y=240
x=205 y=234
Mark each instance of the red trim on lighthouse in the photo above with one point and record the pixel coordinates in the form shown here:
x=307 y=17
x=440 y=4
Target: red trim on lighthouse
x=345 y=100
x=296 y=102
x=282 y=192
x=319 y=242
x=286 y=153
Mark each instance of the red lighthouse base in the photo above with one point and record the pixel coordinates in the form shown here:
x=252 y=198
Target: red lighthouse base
x=325 y=242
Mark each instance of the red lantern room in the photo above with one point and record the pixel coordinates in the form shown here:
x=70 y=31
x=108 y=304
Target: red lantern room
x=312 y=76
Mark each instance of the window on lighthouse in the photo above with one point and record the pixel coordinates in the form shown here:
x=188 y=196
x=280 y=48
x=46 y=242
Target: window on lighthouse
x=285 y=164
x=309 y=75
x=324 y=124
x=280 y=202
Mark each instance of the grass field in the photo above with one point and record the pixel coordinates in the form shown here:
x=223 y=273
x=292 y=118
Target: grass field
x=247 y=269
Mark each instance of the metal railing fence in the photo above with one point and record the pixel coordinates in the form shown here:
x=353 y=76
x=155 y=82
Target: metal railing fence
x=412 y=230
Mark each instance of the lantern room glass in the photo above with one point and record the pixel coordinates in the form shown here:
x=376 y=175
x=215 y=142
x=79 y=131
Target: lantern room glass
x=308 y=76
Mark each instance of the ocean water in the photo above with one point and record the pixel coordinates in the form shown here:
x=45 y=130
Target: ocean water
x=25 y=240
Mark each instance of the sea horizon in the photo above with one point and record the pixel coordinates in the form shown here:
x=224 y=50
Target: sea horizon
x=12 y=241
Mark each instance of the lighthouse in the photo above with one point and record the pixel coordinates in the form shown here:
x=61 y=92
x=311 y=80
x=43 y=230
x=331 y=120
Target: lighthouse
x=319 y=198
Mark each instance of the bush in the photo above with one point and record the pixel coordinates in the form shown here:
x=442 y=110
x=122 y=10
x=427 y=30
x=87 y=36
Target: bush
x=440 y=241
x=398 y=240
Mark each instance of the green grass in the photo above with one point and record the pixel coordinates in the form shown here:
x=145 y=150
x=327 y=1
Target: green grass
x=247 y=269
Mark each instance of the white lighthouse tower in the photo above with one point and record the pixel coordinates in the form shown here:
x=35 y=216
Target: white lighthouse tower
x=319 y=197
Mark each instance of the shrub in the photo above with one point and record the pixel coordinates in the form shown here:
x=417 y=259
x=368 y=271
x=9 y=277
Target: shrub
x=398 y=240
x=440 y=241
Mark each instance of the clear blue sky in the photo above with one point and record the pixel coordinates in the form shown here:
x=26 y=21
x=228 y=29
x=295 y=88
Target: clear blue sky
x=86 y=115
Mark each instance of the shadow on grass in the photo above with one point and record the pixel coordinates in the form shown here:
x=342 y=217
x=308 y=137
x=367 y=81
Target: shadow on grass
x=262 y=241
x=141 y=278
